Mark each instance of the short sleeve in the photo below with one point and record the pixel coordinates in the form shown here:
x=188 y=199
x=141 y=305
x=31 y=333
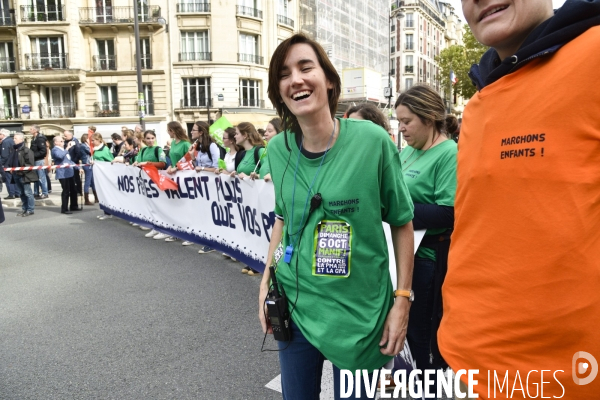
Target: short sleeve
x=161 y=156
x=397 y=207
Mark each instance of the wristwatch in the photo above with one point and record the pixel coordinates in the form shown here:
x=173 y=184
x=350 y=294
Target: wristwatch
x=405 y=293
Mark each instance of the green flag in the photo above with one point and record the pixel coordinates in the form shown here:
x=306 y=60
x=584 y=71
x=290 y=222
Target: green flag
x=216 y=130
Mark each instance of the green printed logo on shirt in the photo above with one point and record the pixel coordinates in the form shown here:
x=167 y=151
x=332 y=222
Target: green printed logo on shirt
x=333 y=248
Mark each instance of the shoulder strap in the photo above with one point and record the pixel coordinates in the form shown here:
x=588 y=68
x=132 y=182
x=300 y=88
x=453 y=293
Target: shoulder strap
x=209 y=153
x=256 y=155
x=156 y=154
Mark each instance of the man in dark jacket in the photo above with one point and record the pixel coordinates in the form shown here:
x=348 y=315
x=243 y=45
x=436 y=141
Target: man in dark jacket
x=75 y=152
x=5 y=153
x=23 y=157
x=38 y=146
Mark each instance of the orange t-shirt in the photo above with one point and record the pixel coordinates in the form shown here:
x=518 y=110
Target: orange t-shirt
x=522 y=291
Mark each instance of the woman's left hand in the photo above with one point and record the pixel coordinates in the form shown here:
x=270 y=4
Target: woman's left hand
x=242 y=175
x=267 y=178
x=394 y=329
x=254 y=176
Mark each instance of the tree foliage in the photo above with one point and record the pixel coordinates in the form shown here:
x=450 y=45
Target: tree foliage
x=459 y=58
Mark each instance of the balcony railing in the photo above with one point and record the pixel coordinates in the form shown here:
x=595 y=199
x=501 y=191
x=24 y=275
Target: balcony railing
x=10 y=111
x=146 y=60
x=36 y=14
x=7 y=64
x=107 y=109
x=125 y=15
x=251 y=58
x=253 y=12
x=282 y=19
x=105 y=63
x=409 y=46
x=196 y=7
x=408 y=69
x=252 y=103
x=7 y=19
x=46 y=60
x=195 y=103
x=62 y=110
x=195 y=56
x=149 y=109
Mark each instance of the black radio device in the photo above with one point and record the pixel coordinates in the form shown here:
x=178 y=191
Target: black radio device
x=279 y=315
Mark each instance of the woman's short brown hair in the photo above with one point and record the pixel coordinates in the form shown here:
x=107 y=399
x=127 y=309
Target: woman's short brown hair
x=276 y=66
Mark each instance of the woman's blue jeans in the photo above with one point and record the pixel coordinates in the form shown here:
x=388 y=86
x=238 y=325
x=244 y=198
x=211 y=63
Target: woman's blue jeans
x=301 y=369
x=89 y=179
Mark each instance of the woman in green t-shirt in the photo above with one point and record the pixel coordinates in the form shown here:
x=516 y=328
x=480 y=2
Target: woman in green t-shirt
x=336 y=181
x=246 y=161
x=272 y=129
x=179 y=146
x=101 y=153
x=150 y=154
x=429 y=170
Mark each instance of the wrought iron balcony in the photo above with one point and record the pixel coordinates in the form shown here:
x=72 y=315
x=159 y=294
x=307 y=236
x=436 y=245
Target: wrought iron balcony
x=408 y=69
x=252 y=103
x=61 y=110
x=42 y=14
x=149 y=109
x=107 y=109
x=282 y=19
x=105 y=63
x=124 y=15
x=7 y=64
x=10 y=111
x=196 y=7
x=196 y=103
x=46 y=60
x=195 y=56
x=251 y=58
x=8 y=19
x=252 y=12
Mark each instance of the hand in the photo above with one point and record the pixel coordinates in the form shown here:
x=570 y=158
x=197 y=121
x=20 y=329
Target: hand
x=394 y=329
x=233 y=174
x=141 y=164
x=171 y=170
x=267 y=178
x=198 y=169
x=263 y=313
x=135 y=164
x=71 y=144
x=217 y=171
x=254 y=176
x=242 y=175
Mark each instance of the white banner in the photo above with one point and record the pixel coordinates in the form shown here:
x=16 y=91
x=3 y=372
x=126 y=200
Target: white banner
x=232 y=216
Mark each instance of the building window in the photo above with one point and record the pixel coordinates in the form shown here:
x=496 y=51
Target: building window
x=106 y=59
x=108 y=106
x=58 y=102
x=193 y=6
x=194 y=46
x=7 y=57
x=249 y=7
x=42 y=10
x=408 y=83
x=283 y=8
x=145 y=53
x=409 y=42
x=10 y=104
x=149 y=99
x=196 y=92
x=409 y=23
x=249 y=93
x=249 y=49
x=47 y=52
x=408 y=67
x=6 y=17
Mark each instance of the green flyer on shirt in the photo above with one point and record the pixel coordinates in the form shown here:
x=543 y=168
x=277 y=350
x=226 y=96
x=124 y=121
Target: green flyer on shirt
x=333 y=248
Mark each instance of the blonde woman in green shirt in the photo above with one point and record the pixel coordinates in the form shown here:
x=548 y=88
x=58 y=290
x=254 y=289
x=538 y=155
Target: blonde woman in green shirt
x=101 y=153
x=254 y=147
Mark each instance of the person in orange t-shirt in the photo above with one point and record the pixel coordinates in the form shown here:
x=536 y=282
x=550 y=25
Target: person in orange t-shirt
x=522 y=292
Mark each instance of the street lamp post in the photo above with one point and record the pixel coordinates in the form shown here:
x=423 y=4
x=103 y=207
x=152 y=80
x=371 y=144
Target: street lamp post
x=138 y=65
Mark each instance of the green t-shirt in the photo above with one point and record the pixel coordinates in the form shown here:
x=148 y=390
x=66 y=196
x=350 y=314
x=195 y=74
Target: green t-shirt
x=149 y=154
x=178 y=150
x=361 y=185
x=247 y=164
x=431 y=179
x=103 y=154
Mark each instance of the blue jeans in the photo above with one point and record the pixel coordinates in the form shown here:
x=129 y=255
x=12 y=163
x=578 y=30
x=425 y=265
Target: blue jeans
x=26 y=194
x=42 y=179
x=13 y=189
x=89 y=179
x=301 y=369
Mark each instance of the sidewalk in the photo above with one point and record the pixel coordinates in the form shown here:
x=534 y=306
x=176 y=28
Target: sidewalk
x=53 y=199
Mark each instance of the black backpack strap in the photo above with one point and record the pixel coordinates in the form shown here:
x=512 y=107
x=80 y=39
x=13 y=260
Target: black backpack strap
x=209 y=153
x=239 y=156
x=256 y=155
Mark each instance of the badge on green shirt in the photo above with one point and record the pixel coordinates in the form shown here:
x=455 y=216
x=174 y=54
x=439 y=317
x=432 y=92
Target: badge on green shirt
x=333 y=248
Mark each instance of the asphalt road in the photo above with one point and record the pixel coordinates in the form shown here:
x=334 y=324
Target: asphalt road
x=92 y=309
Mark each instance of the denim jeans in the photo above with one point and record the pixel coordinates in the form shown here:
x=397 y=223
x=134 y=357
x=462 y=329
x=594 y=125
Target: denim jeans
x=13 y=189
x=89 y=179
x=301 y=369
x=42 y=179
x=26 y=194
